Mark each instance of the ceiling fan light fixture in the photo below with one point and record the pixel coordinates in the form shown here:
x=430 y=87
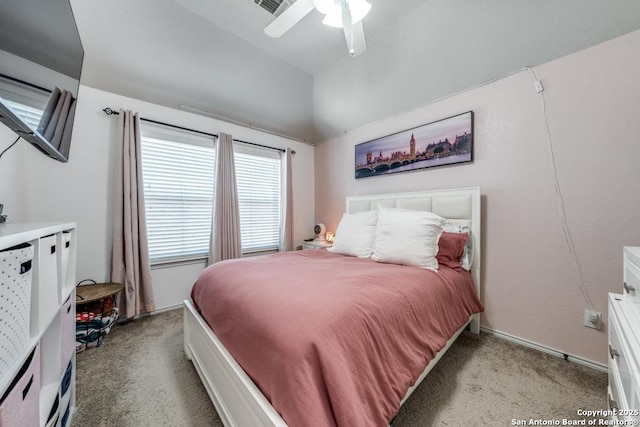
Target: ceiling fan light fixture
x=346 y=14
x=333 y=18
x=324 y=6
x=332 y=10
x=359 y=9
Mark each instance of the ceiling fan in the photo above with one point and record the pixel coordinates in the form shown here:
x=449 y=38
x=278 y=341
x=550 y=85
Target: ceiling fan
x=345 y=14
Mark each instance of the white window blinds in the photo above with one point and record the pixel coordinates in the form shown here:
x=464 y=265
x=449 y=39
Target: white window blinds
x=178 y=173
x=30 y=115
x=26 y=101
x=259 y=187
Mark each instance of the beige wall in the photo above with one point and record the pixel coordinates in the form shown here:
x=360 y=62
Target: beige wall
x=12 y=187
x=530 y=289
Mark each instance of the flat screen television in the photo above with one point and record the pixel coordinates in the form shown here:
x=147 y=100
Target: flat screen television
x=40 y=64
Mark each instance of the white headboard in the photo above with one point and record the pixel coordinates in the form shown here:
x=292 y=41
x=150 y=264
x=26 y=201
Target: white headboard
x=459 y=206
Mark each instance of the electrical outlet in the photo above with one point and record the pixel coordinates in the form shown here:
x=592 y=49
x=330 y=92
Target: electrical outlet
x=592 y=319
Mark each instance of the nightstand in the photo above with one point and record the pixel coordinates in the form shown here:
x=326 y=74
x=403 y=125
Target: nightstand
x=316 y=244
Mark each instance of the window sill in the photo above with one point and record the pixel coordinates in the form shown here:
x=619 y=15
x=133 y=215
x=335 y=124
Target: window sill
x=178 y=262
x=259 y=252
x=155 y=265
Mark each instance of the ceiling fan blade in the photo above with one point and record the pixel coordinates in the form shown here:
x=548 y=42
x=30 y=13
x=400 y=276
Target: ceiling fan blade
x=354 y=33
x=348 y=26
x=289 y=18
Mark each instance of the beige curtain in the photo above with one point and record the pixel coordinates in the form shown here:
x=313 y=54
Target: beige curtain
x=225 y=230
x=57 y=120
x=130 y=251
x=286 y=233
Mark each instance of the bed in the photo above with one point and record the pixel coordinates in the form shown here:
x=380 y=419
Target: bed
x=327 y=374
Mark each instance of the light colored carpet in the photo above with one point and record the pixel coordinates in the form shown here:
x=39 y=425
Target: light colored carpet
x=141 y=377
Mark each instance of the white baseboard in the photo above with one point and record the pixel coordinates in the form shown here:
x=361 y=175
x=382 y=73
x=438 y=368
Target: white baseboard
x=164 y=309
x=547 y=350
x=153 y=313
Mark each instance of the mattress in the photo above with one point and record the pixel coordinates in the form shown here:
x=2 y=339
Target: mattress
x=333 y=340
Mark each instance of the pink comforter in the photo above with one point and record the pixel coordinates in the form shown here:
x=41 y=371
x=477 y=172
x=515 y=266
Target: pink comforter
x=330 y=339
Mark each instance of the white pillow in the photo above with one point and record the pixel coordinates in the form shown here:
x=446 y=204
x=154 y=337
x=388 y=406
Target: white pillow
x=407 y=237
x=467 y=256
x=355 y=234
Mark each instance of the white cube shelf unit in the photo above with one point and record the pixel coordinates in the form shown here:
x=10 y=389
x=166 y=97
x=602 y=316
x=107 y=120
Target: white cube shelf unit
x=37 y=324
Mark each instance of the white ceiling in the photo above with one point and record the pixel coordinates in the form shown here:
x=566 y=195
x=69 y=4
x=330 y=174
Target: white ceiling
x=213 y=56
x=309 y=45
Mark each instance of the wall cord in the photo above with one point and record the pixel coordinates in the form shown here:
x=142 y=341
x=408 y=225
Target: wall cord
x=7 y=149
x=559 y=198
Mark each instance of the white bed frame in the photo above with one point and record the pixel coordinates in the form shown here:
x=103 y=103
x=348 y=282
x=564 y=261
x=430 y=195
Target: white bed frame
x=237 y=399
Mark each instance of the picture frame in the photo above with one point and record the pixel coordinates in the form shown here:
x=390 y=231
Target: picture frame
x=443 y=142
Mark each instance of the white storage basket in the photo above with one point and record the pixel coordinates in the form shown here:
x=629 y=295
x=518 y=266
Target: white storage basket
x=67 y=333
x=66 y=248
x=54 y=414
x=19 y=405
x=46 y=276
x=15 y=303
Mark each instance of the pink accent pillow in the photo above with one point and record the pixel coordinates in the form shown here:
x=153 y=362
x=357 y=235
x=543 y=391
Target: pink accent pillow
x=451 y=248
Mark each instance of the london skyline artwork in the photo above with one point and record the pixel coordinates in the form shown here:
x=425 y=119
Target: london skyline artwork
x=443 y=142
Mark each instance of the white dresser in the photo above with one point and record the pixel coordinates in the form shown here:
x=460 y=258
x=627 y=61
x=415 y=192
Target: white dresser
x=37 y=324
x=624 y=341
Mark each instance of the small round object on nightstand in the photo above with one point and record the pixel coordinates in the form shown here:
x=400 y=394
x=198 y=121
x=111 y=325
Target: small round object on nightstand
x=320 y=229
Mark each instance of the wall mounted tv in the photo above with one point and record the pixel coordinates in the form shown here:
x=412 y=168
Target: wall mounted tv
x=40 y=63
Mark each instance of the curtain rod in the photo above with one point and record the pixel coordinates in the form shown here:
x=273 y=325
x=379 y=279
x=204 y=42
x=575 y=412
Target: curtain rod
x=111 y=112
x=4 y=76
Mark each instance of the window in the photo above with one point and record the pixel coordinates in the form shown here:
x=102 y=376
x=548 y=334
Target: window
x=30 y=115
x=26 y=101
x=258 y=179
x=178 y=178
x=178 y=171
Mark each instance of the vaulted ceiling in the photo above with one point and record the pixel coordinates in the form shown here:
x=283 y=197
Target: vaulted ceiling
x=212 y=56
